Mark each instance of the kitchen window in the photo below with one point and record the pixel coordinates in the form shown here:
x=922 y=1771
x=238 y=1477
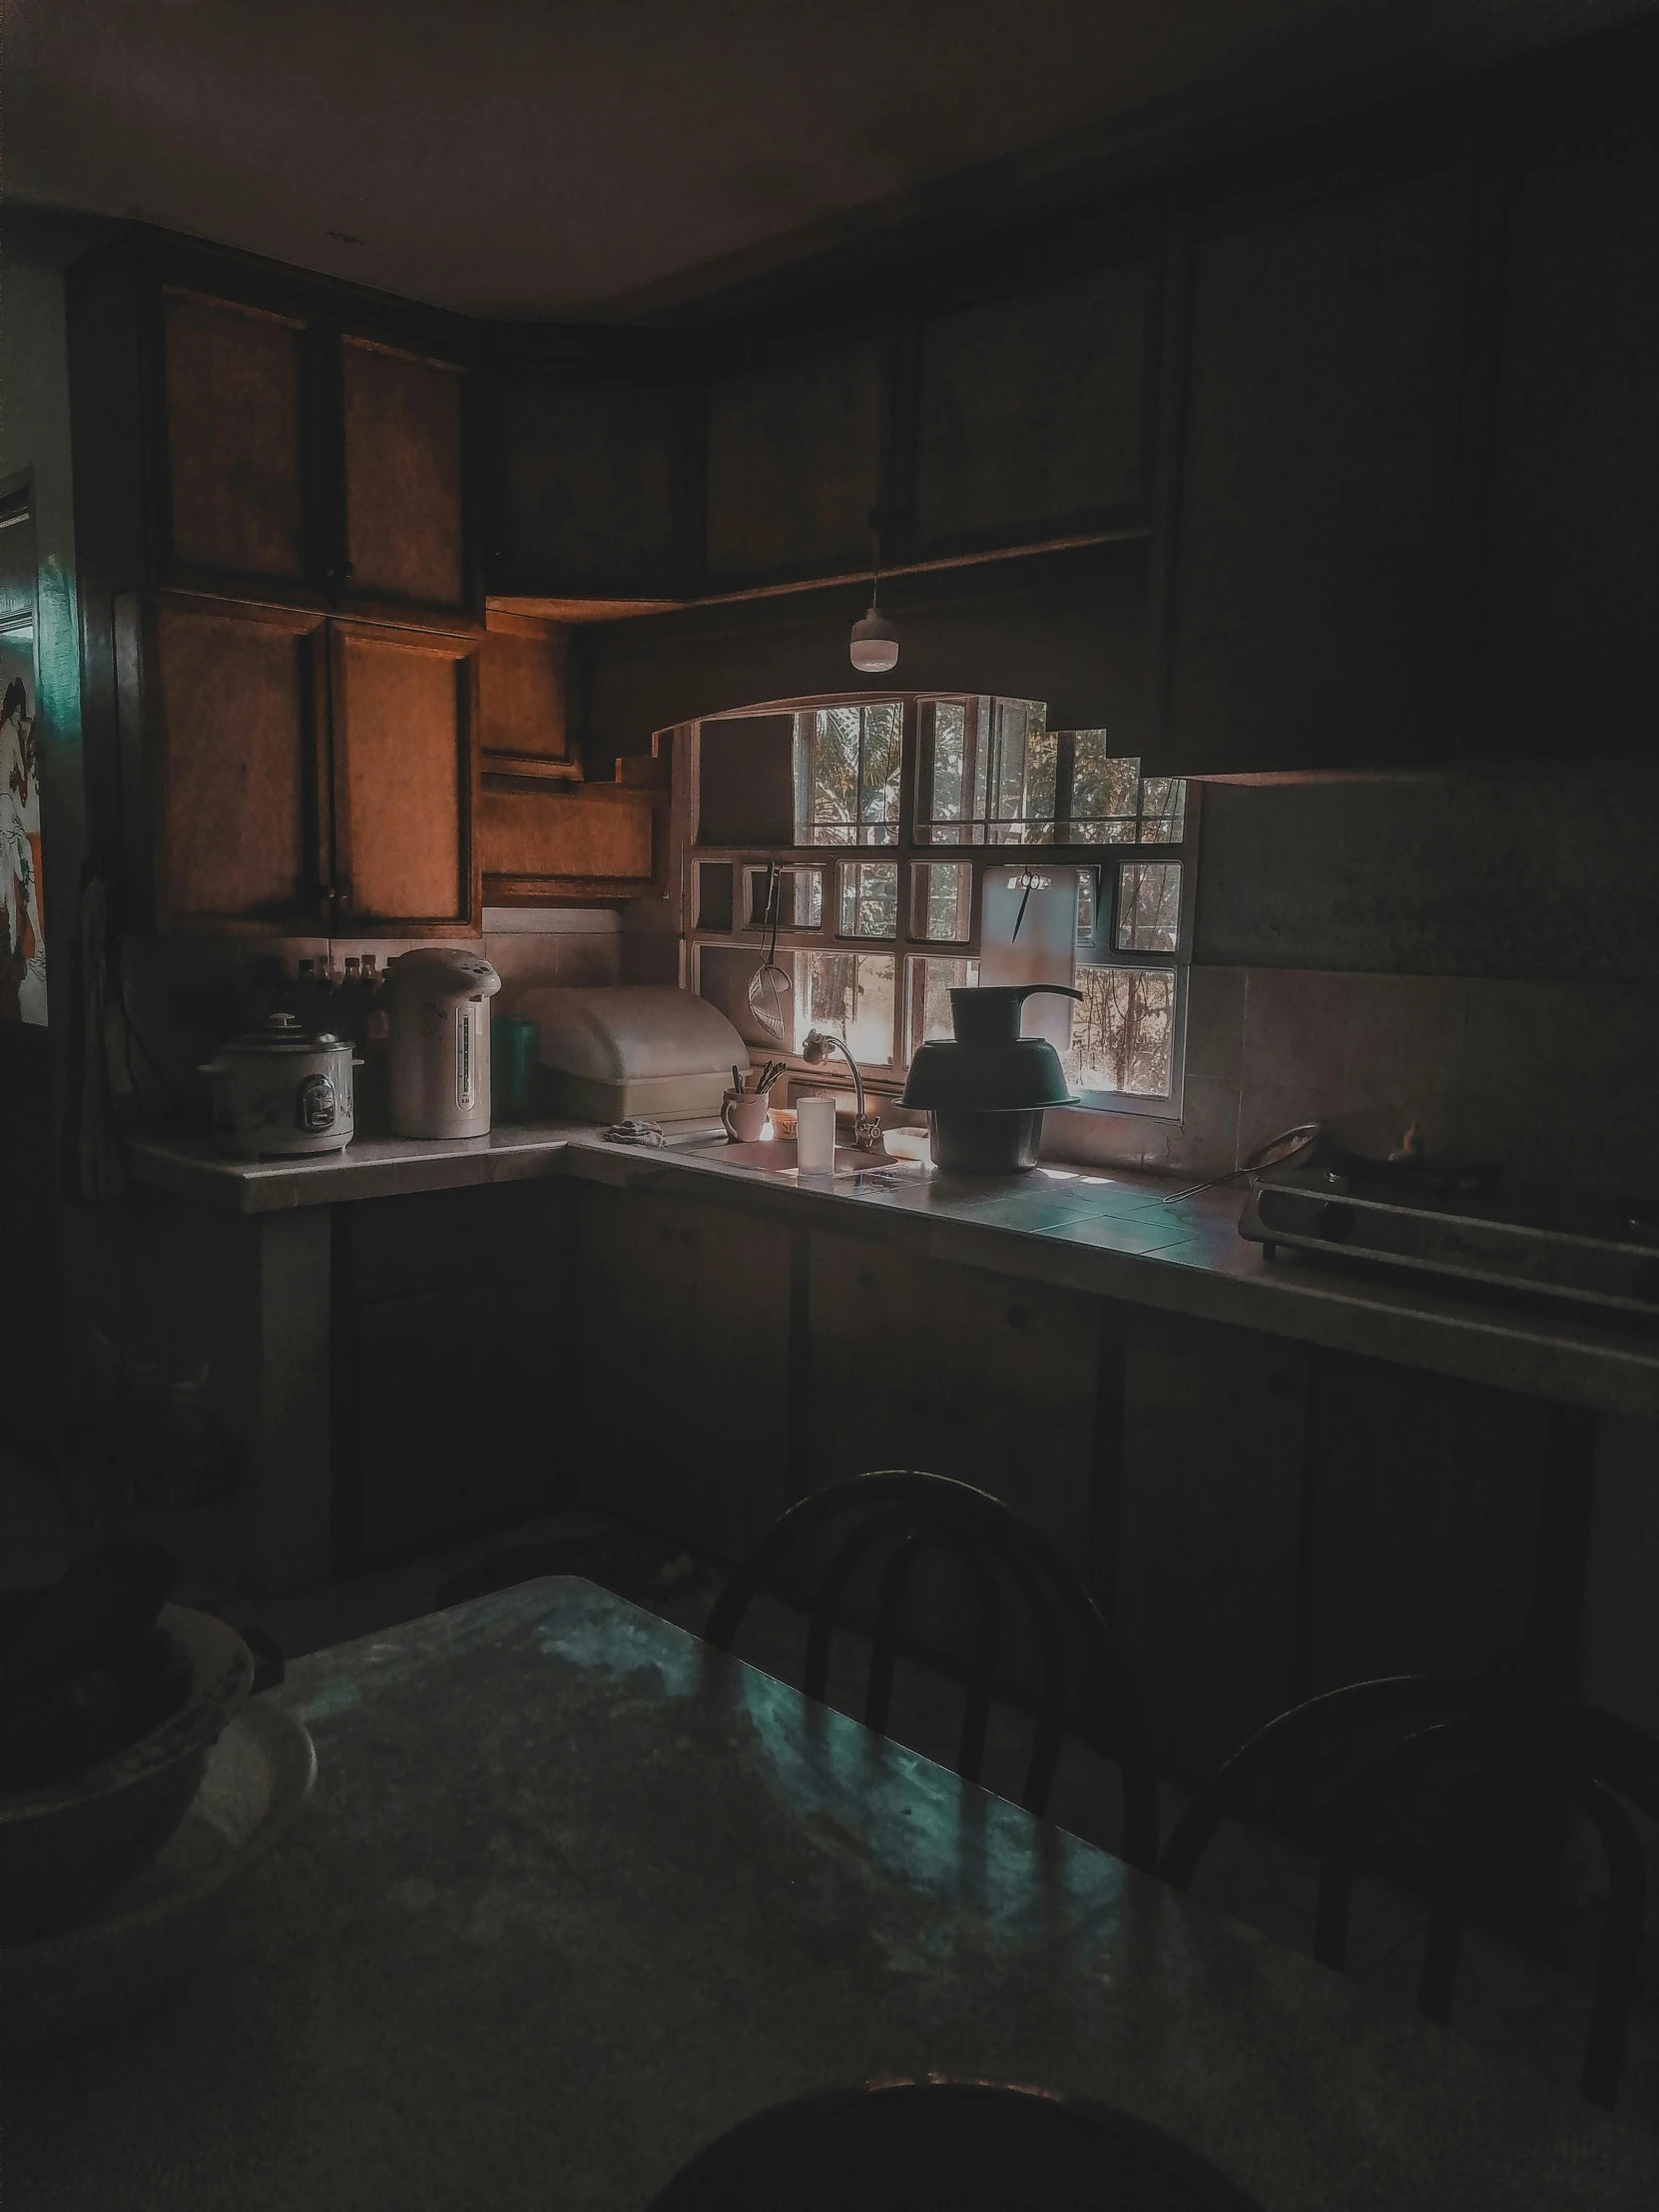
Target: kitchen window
x=907 y=845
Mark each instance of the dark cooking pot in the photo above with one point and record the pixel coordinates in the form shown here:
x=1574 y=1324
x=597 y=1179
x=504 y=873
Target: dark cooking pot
x=984 y=1091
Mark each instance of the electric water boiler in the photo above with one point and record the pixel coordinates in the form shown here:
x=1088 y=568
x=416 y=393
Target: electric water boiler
x=437 y=1001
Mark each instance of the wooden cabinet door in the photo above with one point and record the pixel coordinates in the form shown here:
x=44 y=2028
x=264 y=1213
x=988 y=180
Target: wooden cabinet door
x=1033 y=414
x=586 y=490
x=402 y=427
x=915 y=1363
x=684 y=1365
x=1209 y=1508
x=562 y=840
x=405 y=709
x=233 y=481
x=1569 y=654
x=453 y=1363
x=1313 y=543
x=958 y=1371
x=524 y=699
x=226 y=707
x=795 y=465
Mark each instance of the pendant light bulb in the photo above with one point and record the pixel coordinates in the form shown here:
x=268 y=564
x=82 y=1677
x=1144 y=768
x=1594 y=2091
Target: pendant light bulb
x=875 y=641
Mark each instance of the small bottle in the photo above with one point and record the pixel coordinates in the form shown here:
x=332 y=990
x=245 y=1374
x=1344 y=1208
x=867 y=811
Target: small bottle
x=373 y=1088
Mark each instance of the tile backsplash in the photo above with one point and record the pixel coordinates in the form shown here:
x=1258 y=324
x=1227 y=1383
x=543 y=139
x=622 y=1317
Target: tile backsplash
x=1557 y=1081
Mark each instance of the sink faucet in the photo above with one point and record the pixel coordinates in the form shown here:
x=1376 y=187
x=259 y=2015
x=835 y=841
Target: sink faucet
x=865 y=1127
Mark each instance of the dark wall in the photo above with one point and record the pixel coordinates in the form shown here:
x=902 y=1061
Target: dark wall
x=34 y=436
x=1546 y=875
x=1066 y=628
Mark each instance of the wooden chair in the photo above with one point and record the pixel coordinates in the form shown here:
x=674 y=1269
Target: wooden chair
x=894 y=1521
x=1512 y=1755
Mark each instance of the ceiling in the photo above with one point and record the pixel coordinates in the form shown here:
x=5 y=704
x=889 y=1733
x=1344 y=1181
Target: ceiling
x=544 y=158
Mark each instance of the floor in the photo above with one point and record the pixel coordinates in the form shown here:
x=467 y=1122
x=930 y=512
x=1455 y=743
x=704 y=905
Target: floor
x=1513 y=2007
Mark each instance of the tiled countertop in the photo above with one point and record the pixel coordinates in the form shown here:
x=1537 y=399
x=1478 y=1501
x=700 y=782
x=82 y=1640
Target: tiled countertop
x=1109 y=1234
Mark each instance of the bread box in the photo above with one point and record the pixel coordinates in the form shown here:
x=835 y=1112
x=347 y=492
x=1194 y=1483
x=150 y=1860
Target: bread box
x=630 y=1049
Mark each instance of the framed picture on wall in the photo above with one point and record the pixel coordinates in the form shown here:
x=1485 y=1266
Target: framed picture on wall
x=22 y=900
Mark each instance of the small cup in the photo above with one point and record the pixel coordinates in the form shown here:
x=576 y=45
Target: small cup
x=744 y=1114
x=814 y=1136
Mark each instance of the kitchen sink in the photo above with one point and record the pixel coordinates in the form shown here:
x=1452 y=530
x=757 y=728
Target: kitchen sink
x=778 y=1157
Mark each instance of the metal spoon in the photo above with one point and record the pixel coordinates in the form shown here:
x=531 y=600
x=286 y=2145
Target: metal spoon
x=1292 y=1144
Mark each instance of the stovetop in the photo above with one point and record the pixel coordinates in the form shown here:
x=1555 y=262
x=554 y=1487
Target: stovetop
x=1468 y=1220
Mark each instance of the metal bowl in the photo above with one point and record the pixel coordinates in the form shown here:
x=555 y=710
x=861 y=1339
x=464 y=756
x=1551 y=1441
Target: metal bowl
x=67 y=1844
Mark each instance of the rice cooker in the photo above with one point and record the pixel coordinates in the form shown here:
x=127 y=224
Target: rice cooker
x=282 y=1090
x=437 y=999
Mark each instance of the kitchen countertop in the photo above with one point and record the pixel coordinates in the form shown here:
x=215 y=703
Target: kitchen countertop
x=575 y=1894
x=1103 y=1232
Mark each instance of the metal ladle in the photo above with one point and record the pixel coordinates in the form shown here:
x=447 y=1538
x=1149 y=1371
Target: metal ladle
x=1292 y=1144
x=771 y=987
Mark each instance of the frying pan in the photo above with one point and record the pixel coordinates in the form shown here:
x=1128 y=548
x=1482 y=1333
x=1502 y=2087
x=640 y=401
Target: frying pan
x=1290 y=1145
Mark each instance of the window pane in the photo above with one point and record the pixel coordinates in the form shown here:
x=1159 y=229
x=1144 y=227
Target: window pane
x=878 y=778
x=941 y=903
x=851 y=995
x=1122 y=1032
x=825 y=776
x=1163 y=809
x=1087 y=890
x=928 y=998
x=1105 y=791
x=952 y=753
x=869 y=898
x=1022 y=782
x=846 y=773
x=1149 y=906
x=800 y=897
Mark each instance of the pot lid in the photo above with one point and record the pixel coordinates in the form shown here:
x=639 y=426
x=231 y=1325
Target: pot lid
x=284 y=1033
x=441 y=972
x=946 y=1077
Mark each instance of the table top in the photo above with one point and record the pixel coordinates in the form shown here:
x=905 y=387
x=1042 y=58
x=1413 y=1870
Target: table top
x=576 y=1893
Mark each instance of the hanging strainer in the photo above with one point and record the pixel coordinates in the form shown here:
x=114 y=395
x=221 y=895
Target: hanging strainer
x=770 y=987
x=1279 y=1151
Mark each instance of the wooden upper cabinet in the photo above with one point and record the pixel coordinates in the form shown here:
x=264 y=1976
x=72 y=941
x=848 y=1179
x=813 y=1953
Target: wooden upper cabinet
x=795 y=465
x=402 y=419
x=1310 y=563
x=585 y=490
x=226 y=705
x=1033 y=414
x=523 y=712
x=547 y=840
x=405 y=709
x=234 y=436
x=1569 y=633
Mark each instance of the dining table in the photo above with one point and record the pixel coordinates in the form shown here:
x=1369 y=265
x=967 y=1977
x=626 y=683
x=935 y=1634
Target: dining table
x=575 y=1894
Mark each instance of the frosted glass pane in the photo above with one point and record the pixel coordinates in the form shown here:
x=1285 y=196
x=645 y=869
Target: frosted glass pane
x=1123 y=1032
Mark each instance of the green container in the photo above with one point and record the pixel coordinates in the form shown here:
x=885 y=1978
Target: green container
x=513 y=1045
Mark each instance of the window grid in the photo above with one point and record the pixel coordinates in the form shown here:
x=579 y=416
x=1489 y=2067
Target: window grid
x=1122 y=949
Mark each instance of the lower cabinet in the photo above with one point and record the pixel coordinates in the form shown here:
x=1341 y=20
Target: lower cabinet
x=1209 y=1509
x=1261 y=1520
x=454 y=1374
x=684 y=1357
x=916 y=1363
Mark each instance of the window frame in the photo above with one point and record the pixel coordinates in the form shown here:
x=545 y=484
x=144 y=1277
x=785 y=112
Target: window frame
x=908 y=853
